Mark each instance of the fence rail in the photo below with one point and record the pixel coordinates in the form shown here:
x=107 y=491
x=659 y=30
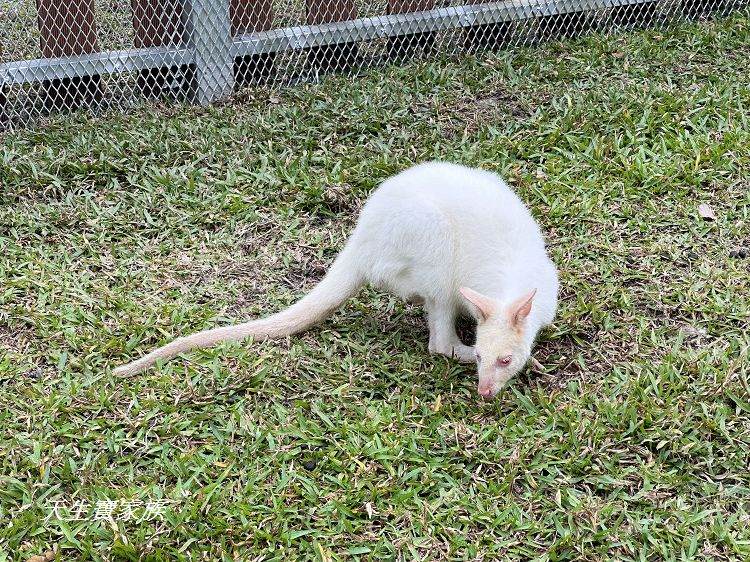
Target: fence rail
x=202 y=49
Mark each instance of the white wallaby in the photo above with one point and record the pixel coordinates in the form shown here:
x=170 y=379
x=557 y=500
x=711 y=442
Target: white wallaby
x=454 y=238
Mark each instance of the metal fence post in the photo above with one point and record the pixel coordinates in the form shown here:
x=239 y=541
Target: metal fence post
x=209 y=34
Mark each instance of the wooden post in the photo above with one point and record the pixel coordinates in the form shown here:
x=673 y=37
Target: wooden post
x=159 y=23
x=405 y=46
x=248 y=16
x=67 y=28
x=338 y=57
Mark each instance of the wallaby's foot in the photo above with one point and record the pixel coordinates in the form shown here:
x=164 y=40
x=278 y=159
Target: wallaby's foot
x=464 y=353
x=443 y=338
x=458 y=351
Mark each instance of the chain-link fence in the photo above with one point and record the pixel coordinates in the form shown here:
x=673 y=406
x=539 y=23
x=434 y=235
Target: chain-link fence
x=65 y=54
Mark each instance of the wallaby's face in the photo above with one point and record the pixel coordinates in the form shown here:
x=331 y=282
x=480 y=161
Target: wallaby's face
x=501 y=353
x=500 y=345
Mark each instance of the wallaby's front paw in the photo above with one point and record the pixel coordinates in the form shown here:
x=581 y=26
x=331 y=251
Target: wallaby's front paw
x=464 y=353
x=460 y=352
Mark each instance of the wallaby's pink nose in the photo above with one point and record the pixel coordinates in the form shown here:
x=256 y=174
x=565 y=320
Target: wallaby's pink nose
x=485 y=392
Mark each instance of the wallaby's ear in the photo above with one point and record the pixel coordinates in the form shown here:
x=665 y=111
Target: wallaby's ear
x=485 y=306
x=520 y=309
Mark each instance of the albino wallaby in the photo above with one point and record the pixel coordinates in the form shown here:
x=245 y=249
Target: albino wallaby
x=457 y=240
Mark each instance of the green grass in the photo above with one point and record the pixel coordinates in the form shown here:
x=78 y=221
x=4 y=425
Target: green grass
x=350 y=441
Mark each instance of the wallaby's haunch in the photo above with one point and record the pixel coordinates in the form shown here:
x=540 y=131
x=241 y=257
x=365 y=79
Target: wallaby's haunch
x=455 y=238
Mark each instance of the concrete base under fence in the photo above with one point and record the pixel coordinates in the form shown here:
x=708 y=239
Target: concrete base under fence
x=4 y=112
x=709 y=9
x=173 y=82
x=72 y=93
x=634 y=15
x=334 y=58
x=254 y=69
x=406 y=47
x=562 y=26
x=488 y=36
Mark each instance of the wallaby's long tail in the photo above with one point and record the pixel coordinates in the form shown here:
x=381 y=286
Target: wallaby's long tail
x=340 y=283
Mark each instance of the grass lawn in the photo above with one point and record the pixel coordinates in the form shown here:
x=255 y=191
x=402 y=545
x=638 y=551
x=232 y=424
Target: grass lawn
x=350 y=441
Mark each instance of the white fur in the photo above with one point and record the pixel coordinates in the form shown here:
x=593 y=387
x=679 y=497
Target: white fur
x=424 y=234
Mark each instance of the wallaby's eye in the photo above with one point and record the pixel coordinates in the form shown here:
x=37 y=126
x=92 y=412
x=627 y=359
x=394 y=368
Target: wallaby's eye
x=504 y=361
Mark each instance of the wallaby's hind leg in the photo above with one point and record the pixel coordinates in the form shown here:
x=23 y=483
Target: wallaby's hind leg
x=443 y=338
